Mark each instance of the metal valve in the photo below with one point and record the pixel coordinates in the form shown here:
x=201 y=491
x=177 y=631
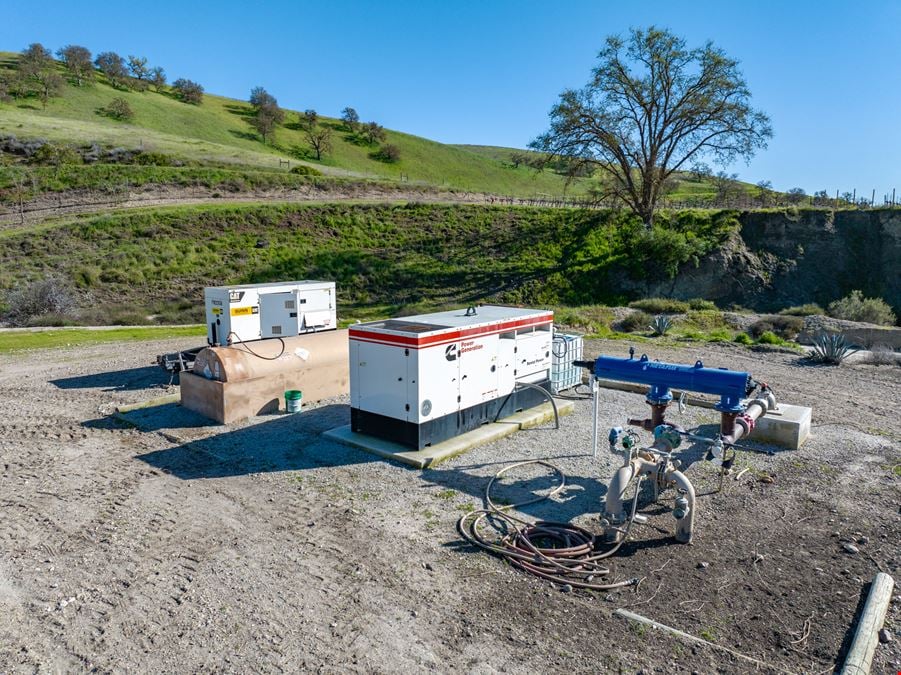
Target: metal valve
x=681 y=508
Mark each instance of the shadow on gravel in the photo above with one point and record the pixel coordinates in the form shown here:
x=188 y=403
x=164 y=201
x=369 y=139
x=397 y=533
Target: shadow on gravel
x=130 y=379
x=286 y=443
x=168 y=416
x=581 y=495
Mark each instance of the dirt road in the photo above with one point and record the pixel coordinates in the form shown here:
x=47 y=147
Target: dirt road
x=178 y=546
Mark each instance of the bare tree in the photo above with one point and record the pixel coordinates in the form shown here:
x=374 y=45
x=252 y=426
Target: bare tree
x=267 y=118
x=137 y=65
x=50 y=84
x=727 y=186
x=320 y=140
x=259 y=97
x=158 y=78
x=700 y=172
x=765 y=194
x=350 y=118
x=38 y=67
x=796 y=195
x=188 y=91
x=651 y=107
x=309 y=119
x=78 y=63
x=113 y=67
x=35 y=57
x=267 y=114
x=372 y=133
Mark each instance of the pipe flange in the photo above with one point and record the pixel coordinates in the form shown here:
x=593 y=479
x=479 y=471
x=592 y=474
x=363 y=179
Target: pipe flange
x=746 y=422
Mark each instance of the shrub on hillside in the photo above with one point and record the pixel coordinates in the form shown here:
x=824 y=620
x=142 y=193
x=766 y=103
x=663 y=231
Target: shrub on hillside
x=660 y=305
x=855 y=307
x=786 y=327
x=743 y=339
x=701 y=304
x=769 y=338
x=188 y=91
x=705 y=319
x=808 y=309
x=155 y=159
x=636 y=321
x=50 y=296
x=51 y=154
x=387 y=153
x=119 y=109
x=304 y=170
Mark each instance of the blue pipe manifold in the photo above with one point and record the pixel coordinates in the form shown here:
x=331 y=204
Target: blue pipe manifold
x=730 y=385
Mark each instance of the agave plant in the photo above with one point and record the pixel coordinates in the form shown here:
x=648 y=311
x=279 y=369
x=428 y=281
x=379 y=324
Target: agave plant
x=832 y=348
x=661 y=324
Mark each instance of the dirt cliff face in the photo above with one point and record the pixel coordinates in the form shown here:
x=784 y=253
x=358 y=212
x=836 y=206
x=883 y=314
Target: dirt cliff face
x=781 y=258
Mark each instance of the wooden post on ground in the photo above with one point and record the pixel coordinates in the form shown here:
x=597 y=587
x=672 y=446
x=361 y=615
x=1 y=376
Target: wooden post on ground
x=860 y=655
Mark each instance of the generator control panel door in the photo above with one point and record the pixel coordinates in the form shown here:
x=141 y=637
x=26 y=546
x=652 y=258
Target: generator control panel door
x=279 y=314
x=379 y=379
x=478 y=370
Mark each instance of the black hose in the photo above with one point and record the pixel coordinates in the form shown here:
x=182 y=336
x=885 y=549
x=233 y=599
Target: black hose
x=259 y=356
x=560 y=552
x=549 y=398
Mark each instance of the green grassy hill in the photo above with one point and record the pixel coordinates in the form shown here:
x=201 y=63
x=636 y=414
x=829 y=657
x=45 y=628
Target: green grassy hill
x=218 y=131
x=154 y=262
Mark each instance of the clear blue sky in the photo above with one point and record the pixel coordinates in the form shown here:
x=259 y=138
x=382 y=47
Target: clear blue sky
x=828 y=73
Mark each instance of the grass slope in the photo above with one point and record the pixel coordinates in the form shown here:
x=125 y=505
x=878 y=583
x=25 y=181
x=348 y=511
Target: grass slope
x=218 y=131
x=130 y=265
x=18 y=340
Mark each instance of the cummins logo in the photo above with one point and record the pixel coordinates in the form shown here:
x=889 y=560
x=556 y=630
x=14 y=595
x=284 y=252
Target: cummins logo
x=451 y=353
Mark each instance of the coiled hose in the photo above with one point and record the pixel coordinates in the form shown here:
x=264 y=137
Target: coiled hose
x=560 y=552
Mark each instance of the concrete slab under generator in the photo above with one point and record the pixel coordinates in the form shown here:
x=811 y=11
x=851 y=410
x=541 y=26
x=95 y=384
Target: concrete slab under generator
x=433 y=455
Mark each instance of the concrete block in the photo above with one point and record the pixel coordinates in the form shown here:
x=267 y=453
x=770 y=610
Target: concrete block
x=429 y=457
x=788 y=426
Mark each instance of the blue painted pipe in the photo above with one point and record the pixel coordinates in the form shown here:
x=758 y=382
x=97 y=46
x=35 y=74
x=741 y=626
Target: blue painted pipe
x=730 y=385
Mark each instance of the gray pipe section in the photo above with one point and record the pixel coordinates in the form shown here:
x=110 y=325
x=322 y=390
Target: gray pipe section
x=614 y=509
x=684 y=526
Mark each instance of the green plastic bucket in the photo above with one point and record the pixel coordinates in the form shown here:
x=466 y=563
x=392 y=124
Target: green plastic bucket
x=293 y=400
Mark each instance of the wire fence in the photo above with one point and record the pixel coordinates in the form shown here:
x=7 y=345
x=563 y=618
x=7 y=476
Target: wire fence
x=48 y=205
x=847 y=200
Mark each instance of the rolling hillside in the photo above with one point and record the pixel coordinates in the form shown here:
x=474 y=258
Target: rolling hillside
x=218 y=131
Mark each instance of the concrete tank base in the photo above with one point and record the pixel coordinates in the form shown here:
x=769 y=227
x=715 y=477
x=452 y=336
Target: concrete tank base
x=239 y=385
x=787 y=426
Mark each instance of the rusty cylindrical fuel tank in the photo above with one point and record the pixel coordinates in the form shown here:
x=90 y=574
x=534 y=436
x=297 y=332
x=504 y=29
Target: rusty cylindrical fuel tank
x=319 y=355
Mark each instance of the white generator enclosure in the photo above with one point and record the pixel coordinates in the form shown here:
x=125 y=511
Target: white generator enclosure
x=423 y=379
x=257 y=311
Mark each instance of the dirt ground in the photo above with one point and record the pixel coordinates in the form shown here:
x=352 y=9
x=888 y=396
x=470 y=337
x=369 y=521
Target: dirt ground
x=168 y=544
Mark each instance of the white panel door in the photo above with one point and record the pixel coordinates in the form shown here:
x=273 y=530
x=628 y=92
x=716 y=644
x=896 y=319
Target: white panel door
x=478 y=370
x=381 y=383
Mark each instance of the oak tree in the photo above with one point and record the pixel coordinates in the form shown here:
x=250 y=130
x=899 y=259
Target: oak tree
x=651 y=108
